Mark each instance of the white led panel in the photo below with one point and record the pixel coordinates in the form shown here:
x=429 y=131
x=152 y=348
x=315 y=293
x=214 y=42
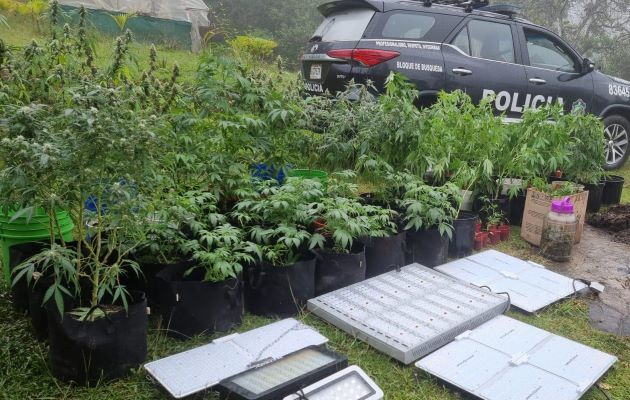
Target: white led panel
x=350 y=384
x=505 y=359
x=408 y=313
x=198 y=369
x=531 y=286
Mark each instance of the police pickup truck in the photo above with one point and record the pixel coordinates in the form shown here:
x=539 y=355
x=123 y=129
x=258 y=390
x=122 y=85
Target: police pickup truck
x=448 y=45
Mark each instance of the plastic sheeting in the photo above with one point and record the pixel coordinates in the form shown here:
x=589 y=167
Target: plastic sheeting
x=194 y=12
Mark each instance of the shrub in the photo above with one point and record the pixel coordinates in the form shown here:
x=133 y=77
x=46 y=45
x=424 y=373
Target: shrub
x=254 y=47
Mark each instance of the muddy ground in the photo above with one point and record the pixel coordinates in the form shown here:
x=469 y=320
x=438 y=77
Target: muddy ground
x=615 y=220
x=598 y=258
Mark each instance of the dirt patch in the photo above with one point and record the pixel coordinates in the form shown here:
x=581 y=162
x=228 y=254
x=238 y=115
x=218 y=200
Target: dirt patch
x=622 y=237
x=614 y=219
x=598 y=258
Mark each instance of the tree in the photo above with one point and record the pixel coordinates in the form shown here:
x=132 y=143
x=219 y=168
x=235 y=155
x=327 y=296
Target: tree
x=288 y=22
x=599 y=29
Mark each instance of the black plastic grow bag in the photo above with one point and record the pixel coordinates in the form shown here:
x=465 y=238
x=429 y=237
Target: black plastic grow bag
x=102 y=350
x=384 y=254
x=595 y=196
x=272 y=291
x=147 y=281
x=37 y=311
x=191 y=307
x=613 y=190
x=427 y=247
x=517 y=208
x=338 y=270
x=18 y=254
x=463 y=235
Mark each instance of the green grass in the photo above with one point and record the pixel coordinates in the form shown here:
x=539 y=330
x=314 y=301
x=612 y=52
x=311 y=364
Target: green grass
x=22 y=30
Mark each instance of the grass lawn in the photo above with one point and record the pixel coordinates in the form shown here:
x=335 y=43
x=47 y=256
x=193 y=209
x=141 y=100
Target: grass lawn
x=24 y=373
x=22 y=30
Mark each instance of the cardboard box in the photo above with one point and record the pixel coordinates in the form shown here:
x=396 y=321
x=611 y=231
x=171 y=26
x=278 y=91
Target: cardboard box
x=538 y=204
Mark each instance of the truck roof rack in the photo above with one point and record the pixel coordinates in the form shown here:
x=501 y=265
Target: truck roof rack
x=503 y=9
x=468 y=5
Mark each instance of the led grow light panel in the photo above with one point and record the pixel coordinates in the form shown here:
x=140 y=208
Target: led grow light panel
x=350 y=384
x=285 y=376
x=531 y=286
x=408 y=313
x=198 y=369
x=506 y=359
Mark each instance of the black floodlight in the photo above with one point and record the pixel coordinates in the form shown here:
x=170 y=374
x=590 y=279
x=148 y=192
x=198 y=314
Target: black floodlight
x=288 y=375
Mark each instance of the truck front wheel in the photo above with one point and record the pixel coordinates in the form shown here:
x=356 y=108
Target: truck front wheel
x=617 y=135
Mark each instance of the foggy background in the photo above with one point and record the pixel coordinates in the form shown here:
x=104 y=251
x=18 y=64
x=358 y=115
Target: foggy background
x=599 y=29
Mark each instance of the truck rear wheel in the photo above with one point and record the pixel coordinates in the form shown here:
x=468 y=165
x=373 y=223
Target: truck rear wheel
x=617 y=135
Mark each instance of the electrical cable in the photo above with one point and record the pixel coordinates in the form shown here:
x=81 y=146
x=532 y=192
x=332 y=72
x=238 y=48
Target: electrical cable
x=509 y=300
x=505 y=293
x=584 y=281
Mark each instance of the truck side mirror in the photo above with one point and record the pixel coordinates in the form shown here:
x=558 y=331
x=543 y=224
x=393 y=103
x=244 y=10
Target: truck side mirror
x=587 y=65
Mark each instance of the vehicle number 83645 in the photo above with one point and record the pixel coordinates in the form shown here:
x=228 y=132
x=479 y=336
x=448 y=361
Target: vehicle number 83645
x=619 y=90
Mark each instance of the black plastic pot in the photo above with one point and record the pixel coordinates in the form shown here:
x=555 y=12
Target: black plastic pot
x=272 y=291
x=595 y=196
x=338 y=270
x=517 y=208
x=191 y=307
x=427 y=247
x=384 y=254
x=613 y=190
x=147 y=281
x=37 y=311
x=463 y=235
x=102 y=350
x=502 y=203
x=18 y=254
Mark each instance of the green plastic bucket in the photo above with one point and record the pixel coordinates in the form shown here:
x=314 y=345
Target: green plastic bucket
x=25 y=230
x=321 y=176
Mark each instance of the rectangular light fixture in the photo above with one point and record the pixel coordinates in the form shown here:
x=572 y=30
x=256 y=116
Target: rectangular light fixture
x=508 y=359
x=410 y=313
x=206 y=366
x=282 y=377
x=350 y=384
x=531 y=287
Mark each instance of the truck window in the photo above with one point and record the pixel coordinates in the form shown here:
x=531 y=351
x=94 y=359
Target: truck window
x=489 y=40
x=343 y=25
x=408 y=26
x=547 y=52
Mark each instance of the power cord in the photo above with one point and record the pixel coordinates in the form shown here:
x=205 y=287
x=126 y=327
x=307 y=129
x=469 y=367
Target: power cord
x=595 y=286
x=505 y=293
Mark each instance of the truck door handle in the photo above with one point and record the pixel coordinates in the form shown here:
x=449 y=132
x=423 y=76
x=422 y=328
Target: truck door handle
x=538 y=81
x=462 y=71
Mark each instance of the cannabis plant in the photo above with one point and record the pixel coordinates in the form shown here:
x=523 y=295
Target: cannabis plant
x=280 y=219
x=427 y=207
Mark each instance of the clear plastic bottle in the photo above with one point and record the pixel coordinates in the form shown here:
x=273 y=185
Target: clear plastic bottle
x=559 y=230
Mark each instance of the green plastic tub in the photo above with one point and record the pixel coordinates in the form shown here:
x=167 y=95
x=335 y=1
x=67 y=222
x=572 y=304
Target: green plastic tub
x=25 y=230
